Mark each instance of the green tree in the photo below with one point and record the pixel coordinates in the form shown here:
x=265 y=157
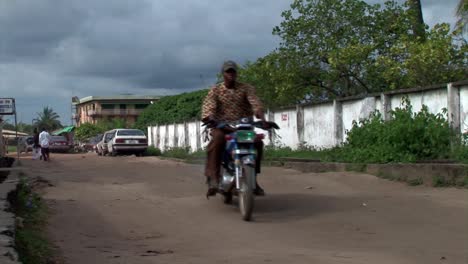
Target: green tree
x=113 y=124
x=47 y=119
x=337 y=48
x=8 y=126
x=462 y=13
x=25 y=128
x=173 y=109
x=88 y=130
x=418 y=25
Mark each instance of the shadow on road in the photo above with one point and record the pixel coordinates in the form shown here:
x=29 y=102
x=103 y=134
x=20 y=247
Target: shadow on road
x=293 y=207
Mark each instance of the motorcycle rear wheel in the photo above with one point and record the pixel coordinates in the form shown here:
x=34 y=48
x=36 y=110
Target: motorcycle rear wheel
x=246 y=195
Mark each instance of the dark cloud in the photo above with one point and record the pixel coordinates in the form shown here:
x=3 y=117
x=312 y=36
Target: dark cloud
x=51 y=49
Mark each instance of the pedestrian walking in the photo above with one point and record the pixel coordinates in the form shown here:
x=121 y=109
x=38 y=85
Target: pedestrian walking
x=44 y=140
x=36 y=146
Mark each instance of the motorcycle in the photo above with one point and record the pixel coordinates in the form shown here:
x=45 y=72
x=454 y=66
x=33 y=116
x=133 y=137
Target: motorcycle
x=239 y=160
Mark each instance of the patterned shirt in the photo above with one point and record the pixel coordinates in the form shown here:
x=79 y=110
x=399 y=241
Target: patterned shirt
x=231 y=104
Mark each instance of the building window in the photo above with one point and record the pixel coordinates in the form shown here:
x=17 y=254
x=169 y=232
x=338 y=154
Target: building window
x=107 y=106
x=141 y=106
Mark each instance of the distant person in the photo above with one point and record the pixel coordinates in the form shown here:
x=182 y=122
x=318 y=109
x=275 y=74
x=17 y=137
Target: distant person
x=44 y=140
x=36 y=145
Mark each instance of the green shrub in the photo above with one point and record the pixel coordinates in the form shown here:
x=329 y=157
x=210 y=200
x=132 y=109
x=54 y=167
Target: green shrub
x=407 y=137
x=178 y=153
x=152 y=151
x=173 y=109
x=30 y=239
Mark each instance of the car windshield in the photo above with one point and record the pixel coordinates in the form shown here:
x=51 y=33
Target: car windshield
x=131 y=132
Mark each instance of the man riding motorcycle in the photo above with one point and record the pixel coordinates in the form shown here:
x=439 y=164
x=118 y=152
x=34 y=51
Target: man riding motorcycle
x=227 y=102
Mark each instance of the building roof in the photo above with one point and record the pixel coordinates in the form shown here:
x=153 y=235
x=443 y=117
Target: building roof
x=118 y=98
x=12 y=133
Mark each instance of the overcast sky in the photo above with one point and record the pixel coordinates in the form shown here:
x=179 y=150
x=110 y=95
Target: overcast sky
x=53 y=49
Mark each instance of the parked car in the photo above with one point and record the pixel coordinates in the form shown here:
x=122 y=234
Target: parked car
x=131 y=141
x=90 y=143
x=59 y=144
x=101 y=146
x=26 y=144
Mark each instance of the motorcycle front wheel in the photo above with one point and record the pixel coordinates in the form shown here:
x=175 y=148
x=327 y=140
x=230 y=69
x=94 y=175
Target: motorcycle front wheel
x=246 y=195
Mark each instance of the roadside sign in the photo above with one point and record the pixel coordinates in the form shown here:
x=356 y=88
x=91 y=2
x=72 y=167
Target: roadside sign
x=7 y=106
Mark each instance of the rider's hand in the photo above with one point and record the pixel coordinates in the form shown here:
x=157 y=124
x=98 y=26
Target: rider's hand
x=260 y=115
x=209 y=122
x=265 y=125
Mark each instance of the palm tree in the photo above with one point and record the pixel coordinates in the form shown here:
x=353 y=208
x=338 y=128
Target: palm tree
x=462 y=13
x=47 y=119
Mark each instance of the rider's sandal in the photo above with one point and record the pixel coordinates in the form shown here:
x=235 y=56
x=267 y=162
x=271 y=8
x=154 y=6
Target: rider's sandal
x=211 y=192
x=212 y=188
x=259 y=191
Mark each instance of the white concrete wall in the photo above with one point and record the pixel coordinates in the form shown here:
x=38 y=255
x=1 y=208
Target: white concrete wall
x=357 y=110
x=435 y=100
x=181 y=135
x=162 y=138
x=192 y=128
x=287 y=121
x=464 y=109
x=318 y=125
x=170 y=135
x=150 y=136
x=324 y=125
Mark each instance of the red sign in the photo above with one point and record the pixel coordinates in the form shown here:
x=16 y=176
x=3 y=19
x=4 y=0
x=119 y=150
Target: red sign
x=284 y=117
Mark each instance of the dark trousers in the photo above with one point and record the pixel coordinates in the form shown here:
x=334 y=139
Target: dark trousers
x=215 y=151
x=45 y=153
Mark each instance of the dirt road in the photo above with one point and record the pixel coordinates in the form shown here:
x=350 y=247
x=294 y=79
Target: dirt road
x=146 y=210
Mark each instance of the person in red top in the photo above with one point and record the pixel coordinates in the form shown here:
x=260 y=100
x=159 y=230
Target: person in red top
x=226 y=102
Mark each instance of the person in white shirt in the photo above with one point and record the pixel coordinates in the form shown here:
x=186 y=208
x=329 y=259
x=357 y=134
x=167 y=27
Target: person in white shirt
x=44 y=141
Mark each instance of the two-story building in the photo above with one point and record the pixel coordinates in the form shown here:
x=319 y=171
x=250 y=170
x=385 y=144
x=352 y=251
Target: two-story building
x=93 y=109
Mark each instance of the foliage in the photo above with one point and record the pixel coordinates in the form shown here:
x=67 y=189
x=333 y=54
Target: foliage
x=462 y=13
x=434 y=61
x=30 y=239
x=22 y=127
x=88 y=130
x=407 y=137
x=302 y=153
x=173 y=109
x=47 y=119
x=415 y=11
x=177 y=153
x=152 y=151
x=335 y=48
x=110 y=124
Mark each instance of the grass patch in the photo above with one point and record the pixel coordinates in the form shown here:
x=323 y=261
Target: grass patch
x=439 y=181
x=415 y=182
x=356 y=167
x=30 y=239
x=152 y=151
x=176 y=153
x=11 y=149
x=271 y=153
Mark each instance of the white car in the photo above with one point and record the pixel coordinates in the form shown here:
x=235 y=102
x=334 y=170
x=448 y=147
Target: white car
x=101 y=146
x=131 y=141
x=26 y=144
